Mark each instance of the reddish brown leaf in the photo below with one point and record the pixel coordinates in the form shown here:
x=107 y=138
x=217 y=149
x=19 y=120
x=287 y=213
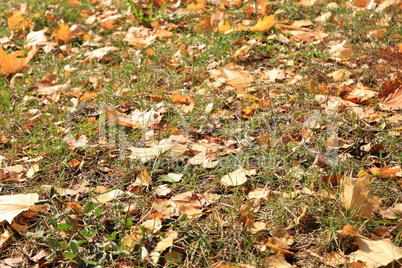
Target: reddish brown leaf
x=391 y=94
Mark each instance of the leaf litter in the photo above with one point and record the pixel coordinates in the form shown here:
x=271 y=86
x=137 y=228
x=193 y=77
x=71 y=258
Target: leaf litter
x=212 y=154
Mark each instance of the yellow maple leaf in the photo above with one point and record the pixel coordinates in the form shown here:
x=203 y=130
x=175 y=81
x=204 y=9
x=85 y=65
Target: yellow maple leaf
x=18 y=21
x=225 y=27
x=265 y=24
x=62 y=33
x=10 y=63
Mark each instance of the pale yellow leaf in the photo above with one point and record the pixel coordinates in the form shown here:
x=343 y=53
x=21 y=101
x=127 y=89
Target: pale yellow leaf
x=165 y=242
x=12 y=205
x=341 y=75
x=237 y=177
x=375 y=253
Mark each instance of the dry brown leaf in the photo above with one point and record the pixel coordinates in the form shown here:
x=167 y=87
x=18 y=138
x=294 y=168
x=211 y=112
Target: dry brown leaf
x=276 y=261
x=355 y=197
x=360 y=94
x=262 y=7
x=153 y=225
x=394 y=212
x=4 y=237
x=99 y=54
x=133 y=238
x=336 y=143
x=248 y=112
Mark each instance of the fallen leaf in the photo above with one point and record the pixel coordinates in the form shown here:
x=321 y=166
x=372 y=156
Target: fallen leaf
x=99 y=54
x=153 y=225
x=186 y=104
x=237 y=177
x=308 y=3
x=105 y=194
x=133 y=238
x=276 y=261
x=394 y=212
x=62 y=33
x=375 y=253
x=171 y=177
x=167 y=241
x=355 y=197
x=173 y=147
x=264 y=24
x=386 y=173
x=32 y=170
x=349 y=230
x=18 y=21
x=340 y=75
x=391 y=94
x=11 y=63
x=12 y=205
x=248 y=112
x=36 y=38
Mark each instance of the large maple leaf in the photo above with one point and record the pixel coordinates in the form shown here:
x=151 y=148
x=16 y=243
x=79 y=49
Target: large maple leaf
x=10 y=63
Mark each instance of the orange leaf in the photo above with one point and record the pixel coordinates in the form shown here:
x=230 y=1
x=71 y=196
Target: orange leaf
x=10 y=63
x=263 y=6
x=18 y=22
x=265 y=24
x=248 y=112
x=74 y=2
x=62 y=33
x=179 y=99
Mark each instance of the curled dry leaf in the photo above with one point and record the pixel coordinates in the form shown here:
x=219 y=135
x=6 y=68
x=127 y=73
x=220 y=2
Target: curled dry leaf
x=36 y=38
